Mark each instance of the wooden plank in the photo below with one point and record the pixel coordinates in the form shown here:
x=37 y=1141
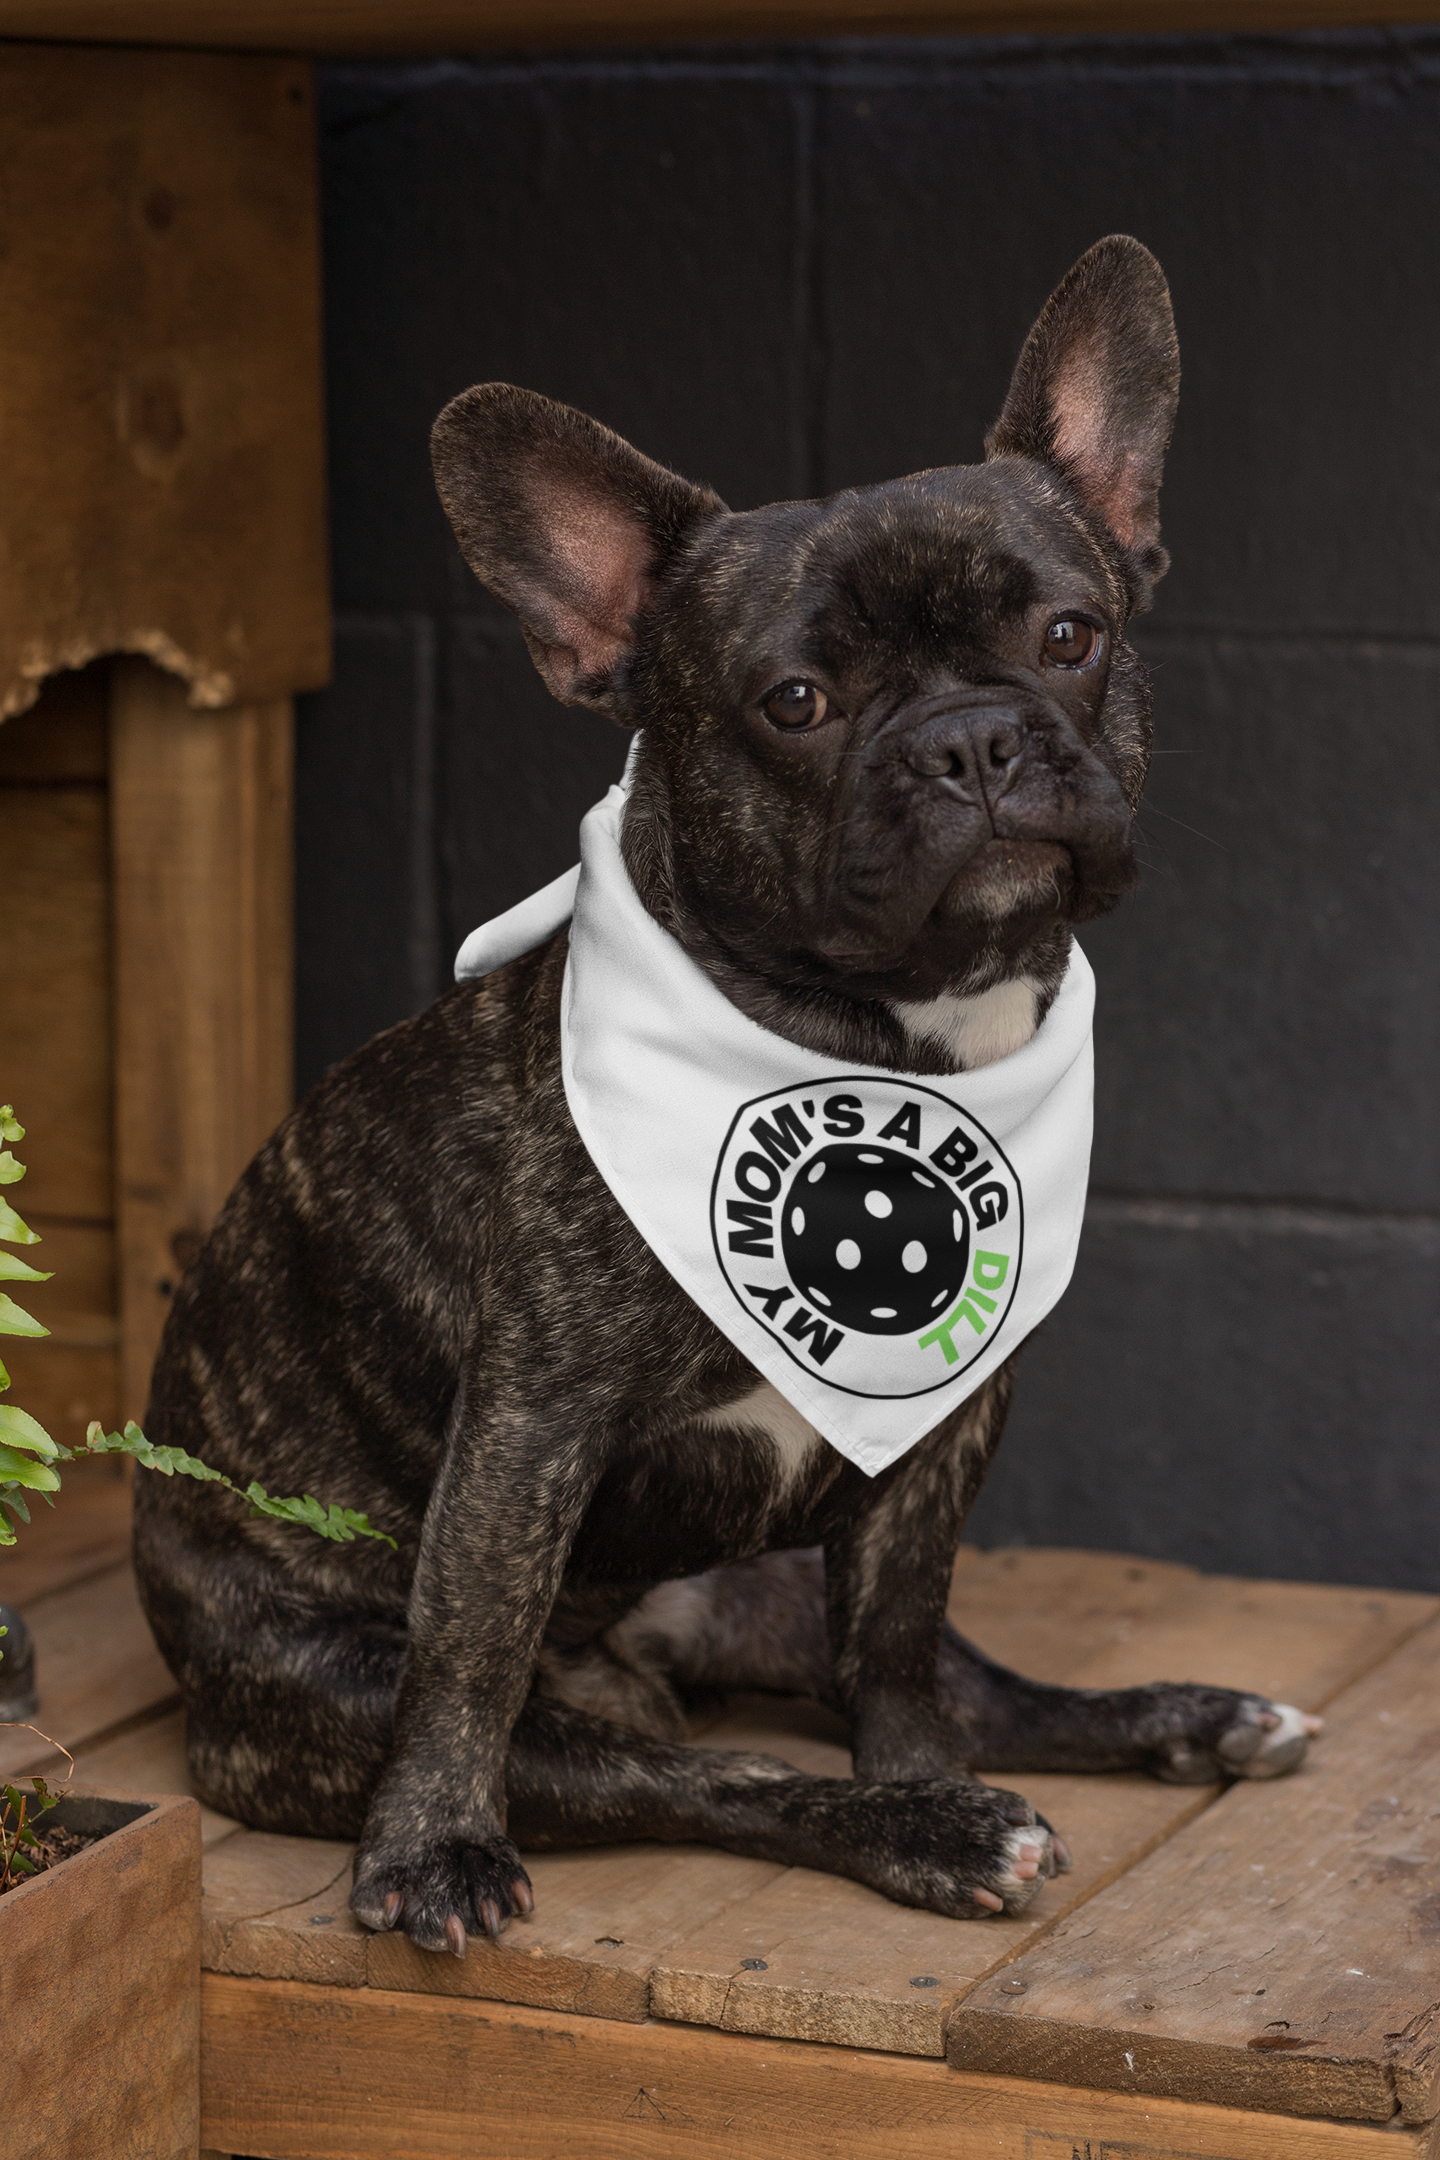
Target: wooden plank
x=202 y=820
x=620 y=1932
x=161 y=428
x=323 y=2073
x=71 y=1375
x=55 y=993
x=150 y=1758
x=833 y=1961
x=1088 y=1619
x=97 y=1667
x=275 y=1908
x=55 y=981
x=1280 y=1953
x=86 y=1532
x=1048 y=1612
x=345 y=26
x=601 y=1921
x=818 y=1958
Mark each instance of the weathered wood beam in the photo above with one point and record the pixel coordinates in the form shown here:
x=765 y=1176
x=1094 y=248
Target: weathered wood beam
x=201 y=836
x=356 y=26
x=161 y=427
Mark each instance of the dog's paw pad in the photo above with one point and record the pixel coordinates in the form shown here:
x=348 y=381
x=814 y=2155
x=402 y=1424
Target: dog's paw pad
x=1270 y=1744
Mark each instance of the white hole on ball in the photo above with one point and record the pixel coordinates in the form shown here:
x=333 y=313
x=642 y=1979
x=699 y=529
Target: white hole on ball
x=872 y=1158
x=914 y=1257
x=797 y=1221
x=882 y=1312
x=921 y=1179
x=943 y=1299
x=817 y=1171
x=847 y=1253
x=958 y=1223
x=879 y=1203
x=818 y=1297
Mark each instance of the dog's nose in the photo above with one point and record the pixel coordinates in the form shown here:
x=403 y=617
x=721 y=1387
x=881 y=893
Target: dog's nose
x=979 y=747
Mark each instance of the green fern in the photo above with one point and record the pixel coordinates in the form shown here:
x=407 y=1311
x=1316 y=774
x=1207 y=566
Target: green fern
x=27 y=1451
x=342 y=1525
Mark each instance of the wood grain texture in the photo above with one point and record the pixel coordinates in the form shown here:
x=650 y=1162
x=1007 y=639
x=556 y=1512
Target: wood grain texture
x=470 y=25
x=71 y=1375
x=602 y=1920
x=707 y=1938
x=84 y=1534
x=149 y=1757
x=839 y=1963
x=317 y=2073
x=97 y=1667
x=56 y=1044
x=1282 y=1952
x=1089 y=1619
x=99 y=1997
x=276 y=1908
x=830 y=1960
x=161 y=428
x=55 y=983
x=201 y=809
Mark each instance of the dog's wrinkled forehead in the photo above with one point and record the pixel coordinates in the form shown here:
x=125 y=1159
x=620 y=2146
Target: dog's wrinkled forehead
x=920 y=573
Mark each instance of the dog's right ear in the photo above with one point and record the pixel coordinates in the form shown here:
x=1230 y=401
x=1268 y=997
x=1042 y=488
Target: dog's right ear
x=567 y=525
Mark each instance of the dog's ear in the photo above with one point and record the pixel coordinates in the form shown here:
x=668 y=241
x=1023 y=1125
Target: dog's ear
x=567 y=525
x=1094 y=393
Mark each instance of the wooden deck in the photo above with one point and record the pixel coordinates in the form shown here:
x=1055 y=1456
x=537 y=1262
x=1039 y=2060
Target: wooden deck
x=1241 y=1974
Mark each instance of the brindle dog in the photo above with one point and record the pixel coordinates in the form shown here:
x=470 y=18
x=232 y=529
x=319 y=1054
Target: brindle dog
x=893 y=746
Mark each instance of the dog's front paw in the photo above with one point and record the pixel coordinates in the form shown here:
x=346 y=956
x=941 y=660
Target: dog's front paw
x=440 y=1891
x=1236 y=1736
x=962 y=1848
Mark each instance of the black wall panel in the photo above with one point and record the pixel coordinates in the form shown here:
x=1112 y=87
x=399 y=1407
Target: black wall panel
x=789 y=270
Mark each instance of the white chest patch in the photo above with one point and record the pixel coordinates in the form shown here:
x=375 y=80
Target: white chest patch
x=792 y=1438
x=975 y=1031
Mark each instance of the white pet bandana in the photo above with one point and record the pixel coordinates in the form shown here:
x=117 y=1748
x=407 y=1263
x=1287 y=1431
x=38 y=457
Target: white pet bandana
x=875 y=1245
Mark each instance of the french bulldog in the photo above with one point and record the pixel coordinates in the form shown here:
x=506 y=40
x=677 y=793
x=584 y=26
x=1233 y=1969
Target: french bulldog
x=891 y=749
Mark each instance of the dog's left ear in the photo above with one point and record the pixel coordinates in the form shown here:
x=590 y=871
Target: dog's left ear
x=568 y=526
x=1094 y=394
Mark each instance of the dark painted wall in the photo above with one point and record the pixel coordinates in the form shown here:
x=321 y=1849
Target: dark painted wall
x=786 y=271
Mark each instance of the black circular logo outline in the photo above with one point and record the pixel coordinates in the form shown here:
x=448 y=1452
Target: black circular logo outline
x=905 y=1087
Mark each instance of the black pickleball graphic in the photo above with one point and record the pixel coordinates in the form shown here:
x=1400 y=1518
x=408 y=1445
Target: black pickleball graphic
x=876 y=1240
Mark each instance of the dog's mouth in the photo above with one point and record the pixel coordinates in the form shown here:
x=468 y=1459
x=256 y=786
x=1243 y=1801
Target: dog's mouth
x=1003 y=890
x=1007 y=878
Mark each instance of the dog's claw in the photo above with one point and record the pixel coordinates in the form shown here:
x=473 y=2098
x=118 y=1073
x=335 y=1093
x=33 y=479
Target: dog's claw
x=490 y=1917
x=1064 y=1858
x=394 y=1906
x=988 y=1899
x=455 y=1934
x=523 y=1895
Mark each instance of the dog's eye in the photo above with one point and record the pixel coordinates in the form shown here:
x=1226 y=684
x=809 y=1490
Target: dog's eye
x=796 y=705
x=1071 y=642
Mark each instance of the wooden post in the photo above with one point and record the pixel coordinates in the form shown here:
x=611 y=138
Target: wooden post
x=201 y=841
x=162 y=445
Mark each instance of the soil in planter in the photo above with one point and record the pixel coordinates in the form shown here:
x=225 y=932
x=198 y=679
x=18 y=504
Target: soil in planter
x=54 y=1846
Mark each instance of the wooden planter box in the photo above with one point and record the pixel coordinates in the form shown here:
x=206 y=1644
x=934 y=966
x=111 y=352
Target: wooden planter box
x=100 y=1988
